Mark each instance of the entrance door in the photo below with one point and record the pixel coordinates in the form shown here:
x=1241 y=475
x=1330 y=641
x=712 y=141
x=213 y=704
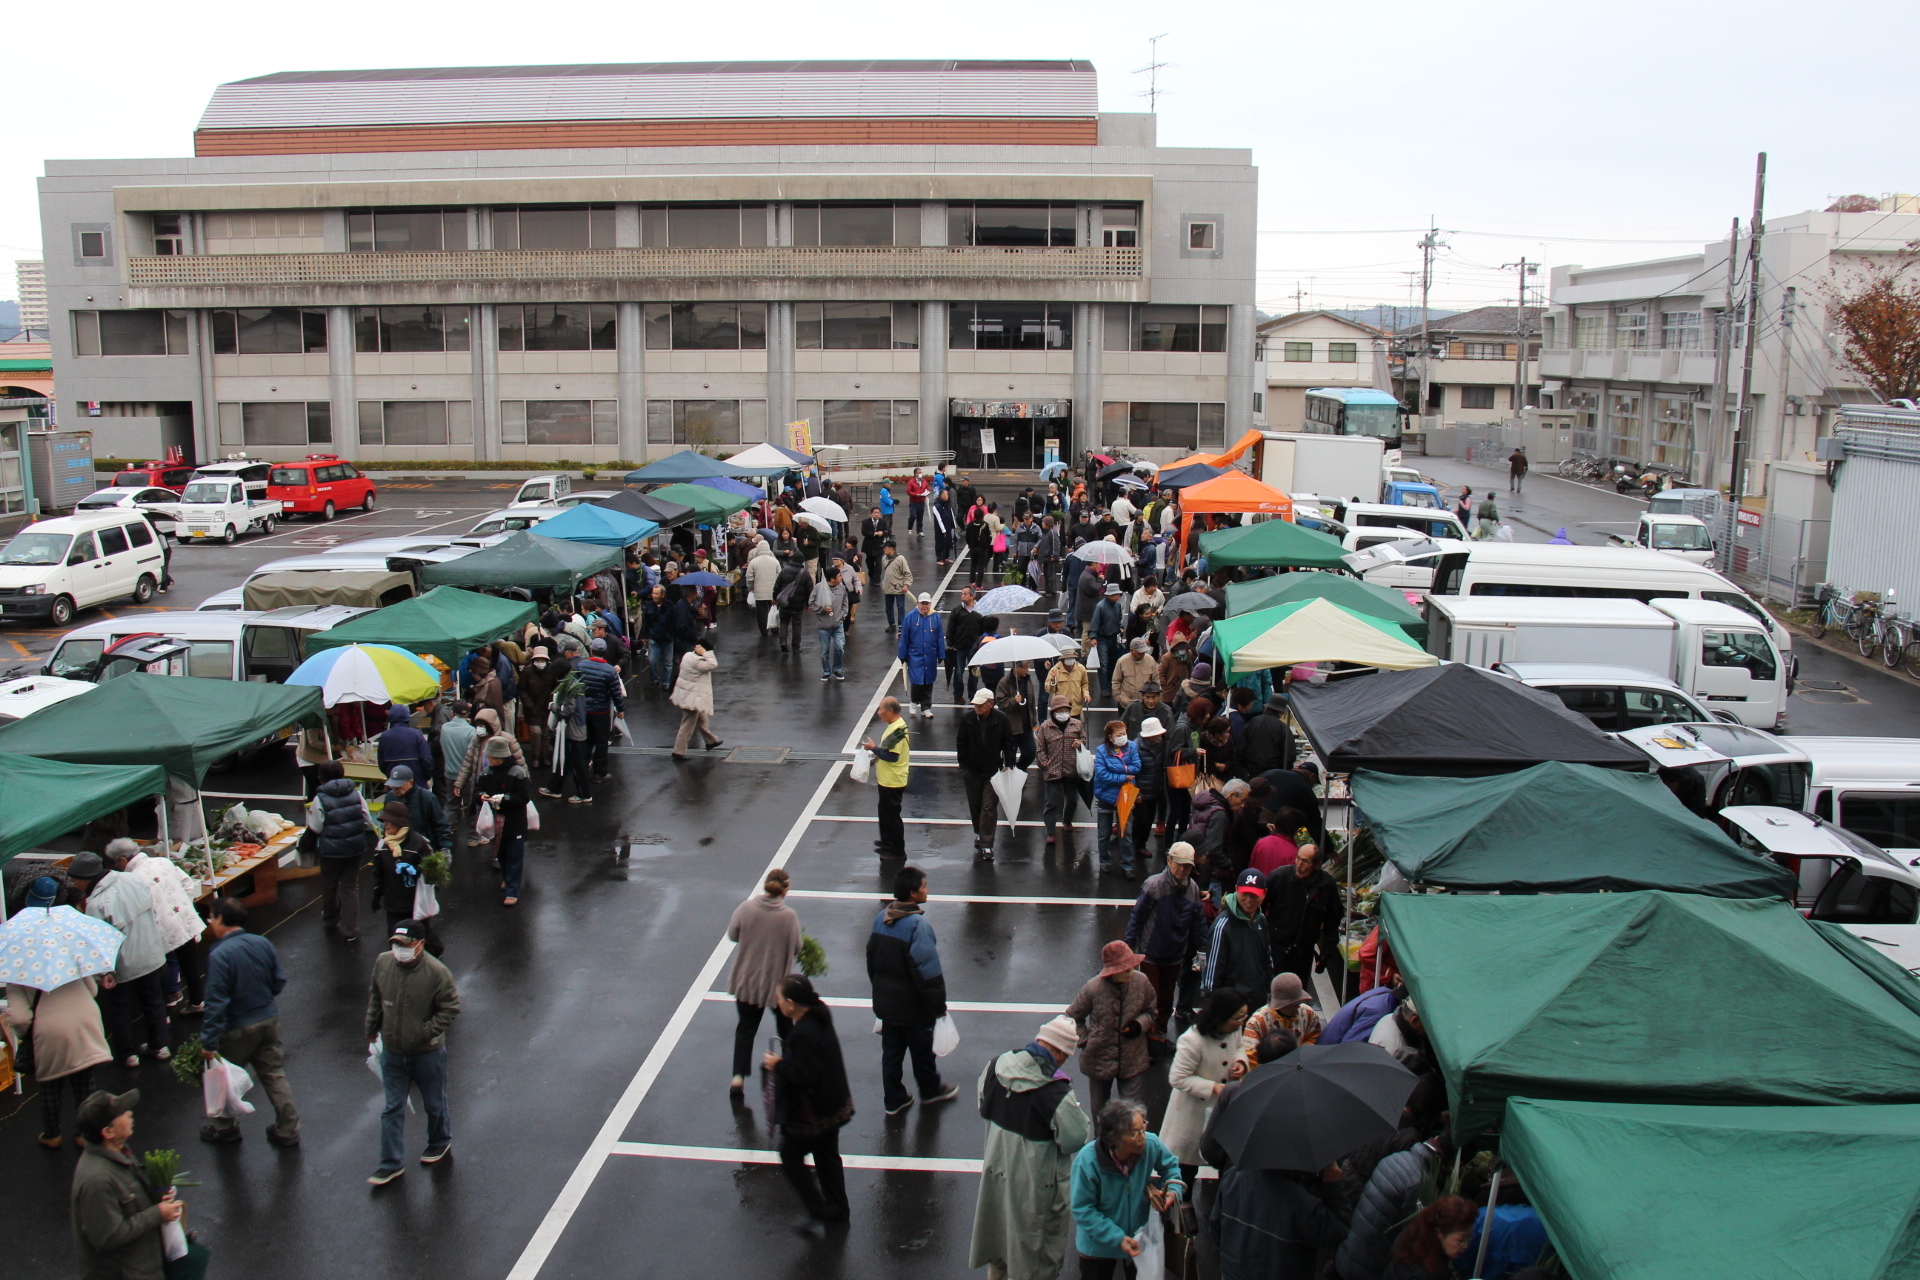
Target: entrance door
x=1015 y=443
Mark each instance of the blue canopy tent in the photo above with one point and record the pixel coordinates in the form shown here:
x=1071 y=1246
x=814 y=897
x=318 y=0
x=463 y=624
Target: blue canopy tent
x=601 y=526
x=725 y=485
x=685 y=465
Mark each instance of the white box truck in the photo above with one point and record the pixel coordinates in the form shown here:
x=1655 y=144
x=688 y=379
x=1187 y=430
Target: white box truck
x=1715 y=652
x=1344 y=468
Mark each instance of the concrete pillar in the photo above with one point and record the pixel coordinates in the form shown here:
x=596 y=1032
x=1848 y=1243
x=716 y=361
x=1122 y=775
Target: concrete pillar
x=934 y=417
x=206 y=430
x=780 y=338
x=340 y=393
x=1089 y=332
x=1240 y=384
x=485 y=341
x=630 y=348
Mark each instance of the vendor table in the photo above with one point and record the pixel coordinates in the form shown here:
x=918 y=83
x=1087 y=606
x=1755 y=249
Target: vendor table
x=263 y=866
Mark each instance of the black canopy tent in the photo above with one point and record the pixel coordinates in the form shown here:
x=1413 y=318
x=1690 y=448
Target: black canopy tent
x=662 y=511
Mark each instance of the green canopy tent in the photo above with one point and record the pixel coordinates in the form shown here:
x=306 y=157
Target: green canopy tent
x=40 y=799
x=446 y=622
x=181 y=723
x=1509 y=833
x=710 y=506
x=1312 y=631
x=525 y=559
x=1271 y=542
x=1349 y=593
x=1643 y=1192
x=1650 y=997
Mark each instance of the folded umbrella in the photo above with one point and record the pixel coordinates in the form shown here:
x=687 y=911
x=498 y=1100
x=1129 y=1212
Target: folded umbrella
x=825 y=507
x=1004 y=600
x=1123 y=810
x=702 y=579
x=1014 y=649
x=1314 y=1106
x=48 y=947
x=1102 y=552
x=1007 y=784
x=1191 y=602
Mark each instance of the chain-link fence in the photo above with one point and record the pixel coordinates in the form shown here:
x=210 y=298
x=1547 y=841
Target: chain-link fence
x=1774 y=557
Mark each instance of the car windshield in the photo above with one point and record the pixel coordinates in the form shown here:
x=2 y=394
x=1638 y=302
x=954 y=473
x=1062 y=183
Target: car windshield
x=206 y=491
x=1417 y=498
x=1681 y=537
x=130 y=480
x=74 y=657
x=36 y=548
x=109 y=498
x=1379 y=420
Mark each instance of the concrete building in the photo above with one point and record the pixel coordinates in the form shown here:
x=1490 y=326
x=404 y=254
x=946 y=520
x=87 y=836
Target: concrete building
x=1470 y=373
x=1316 y=349
x=607 y=262
x=30 y=278
x=1641 y=352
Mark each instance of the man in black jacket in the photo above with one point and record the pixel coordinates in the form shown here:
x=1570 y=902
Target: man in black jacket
x=873 y=541
x=985 y=746
x=909 y=992
x=1303 y=918
x=1267 y=743
x=963 y=632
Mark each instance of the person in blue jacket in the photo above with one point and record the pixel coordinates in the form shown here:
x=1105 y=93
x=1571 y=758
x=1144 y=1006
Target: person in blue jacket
x=1114 y=1187
x=923 y=642
x=1115 y=763
x=886 y=506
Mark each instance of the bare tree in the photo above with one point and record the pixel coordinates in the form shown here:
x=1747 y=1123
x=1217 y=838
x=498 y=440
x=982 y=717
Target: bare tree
x=1854 y=204
x=1877 y=315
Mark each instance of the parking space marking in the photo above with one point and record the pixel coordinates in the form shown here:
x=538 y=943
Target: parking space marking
x=925 y=822
x=990 y=898
x=750 y=1155
x=955 y=1006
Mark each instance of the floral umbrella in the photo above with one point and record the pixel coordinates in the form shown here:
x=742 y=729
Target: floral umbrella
x=48 y=947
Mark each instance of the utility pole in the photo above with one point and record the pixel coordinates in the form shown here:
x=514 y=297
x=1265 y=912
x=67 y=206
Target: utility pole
x=1299 y=292
x=1152 y=71
x=1787 y=304
x=1525 y=269
x=1722 y=360
x=1743 y=424
x=1428 y=243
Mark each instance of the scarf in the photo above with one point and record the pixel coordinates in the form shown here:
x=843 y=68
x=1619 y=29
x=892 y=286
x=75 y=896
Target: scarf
x=407 y=872
x=1044 y=1056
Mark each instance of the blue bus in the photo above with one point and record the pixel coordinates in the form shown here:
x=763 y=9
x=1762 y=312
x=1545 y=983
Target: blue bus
x=1353 y=411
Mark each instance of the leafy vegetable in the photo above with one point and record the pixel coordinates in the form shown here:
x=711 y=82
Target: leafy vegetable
x=813 y=956
x=437 y=869
x=188 y=1065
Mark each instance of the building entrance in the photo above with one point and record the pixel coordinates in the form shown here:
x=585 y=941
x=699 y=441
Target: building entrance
x=1007 y=435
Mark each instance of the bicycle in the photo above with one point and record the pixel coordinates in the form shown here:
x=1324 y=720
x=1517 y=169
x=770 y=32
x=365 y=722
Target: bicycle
x=1833 y=613
x=1895 y=635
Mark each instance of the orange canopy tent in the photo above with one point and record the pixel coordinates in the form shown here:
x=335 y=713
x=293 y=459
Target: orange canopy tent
x=1235 y=491
x=1226 y=459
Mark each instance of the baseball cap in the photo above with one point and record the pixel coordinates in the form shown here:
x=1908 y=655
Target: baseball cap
x=925 y=598
x=1138 y=644
x=1180 y=853
x=600 y=642
x=1251 y=881
x=410 y=930
x=982 y=695
x=102 y=1109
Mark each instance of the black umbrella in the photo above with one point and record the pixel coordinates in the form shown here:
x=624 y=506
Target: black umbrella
x=1113 y=469
x=1314 y=1106
x=1192 y=473
x=1191 y=602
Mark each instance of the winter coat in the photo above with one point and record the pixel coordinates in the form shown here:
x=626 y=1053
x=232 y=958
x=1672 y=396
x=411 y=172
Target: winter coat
x=65 y=1025
x=1111 y=771
x=477 y=763
x=763 y=572
x=1129 y=674
x=1087 y=595
x=768 y=936
x=828 y=604
x=896 y=577
x=1152 y=777
x=984 y=744
x=1356 y=1019
x=510 y=794
x=1304 y=912
x=1207 y=829
x=1166 y=923
x=1034 y=1128
x=1108 y=618
x=923 y=643
x=425 y=815
x=1136 y=714
x=903 y=964
x=1020 y=716
x=1072 y=684
x=694 y=690
x=1199 y=1063
x=125 y=901
x=1392 y=1196
x=340 y=818
x=810 y=1082
x=1103 y=1009
x=395 y=878
x=536 y=689
x=603 y=692
x=116 y=1217
x=402 y=744
x=244 y=974
x=1271 y=1225
x=456 y=736
x=963 y=629
x=1110 y=1206
x=1055 y=748
x=173 y=895
x=791 y=599
x=411 y=1006
x=1238 y=953
x=1266 y=744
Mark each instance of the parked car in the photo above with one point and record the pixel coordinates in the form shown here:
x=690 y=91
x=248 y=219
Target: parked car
x=1614 y=698
x=1712 y=765
x=21 y=698
x=161 y=506
x=158 y=475
x=542 y=490
x=320 y=484
x=1844 y=878
x=226 y=645
x=223 y=601
x=1870 y=786
x=513 y=519
x=53 y=567
x=224 y=502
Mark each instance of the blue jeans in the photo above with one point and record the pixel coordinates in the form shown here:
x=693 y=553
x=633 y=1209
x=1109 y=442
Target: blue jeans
x=513 y=863
x=833 y=649
x=1106 y=820
x=897 y=1040
x=399 y=1071
x=896 y=609
x=660 y=658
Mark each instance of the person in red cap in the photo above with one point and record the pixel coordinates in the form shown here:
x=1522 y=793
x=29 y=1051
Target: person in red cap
x=1114 y=1012
x=1238 y=953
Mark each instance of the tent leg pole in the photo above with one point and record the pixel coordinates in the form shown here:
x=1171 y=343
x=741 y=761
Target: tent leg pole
x=1486 y=1226
x=206 y=834
x=165 y=840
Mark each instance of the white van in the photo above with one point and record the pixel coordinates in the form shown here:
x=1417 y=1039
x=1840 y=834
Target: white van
x=1615 y=698
x=222 y=645
x=543 y=490
x=53 y=567
x=1843 y=878
x=1869 y=786
x=512 y=520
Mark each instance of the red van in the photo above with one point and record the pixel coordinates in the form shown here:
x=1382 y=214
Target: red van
x=155 y=475
x=320 y=484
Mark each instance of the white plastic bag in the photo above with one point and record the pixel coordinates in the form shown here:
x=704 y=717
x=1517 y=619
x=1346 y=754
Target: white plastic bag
x=1505 y=534
x=1007 y=785
x=862 y=767
x=221 y=1087
x=533 y=817
x=376 y=1055
x=1093 y=654
x=946 y=1037
x=1151 y=1262
x=483 y=821
x=426 y=901
x=751 y=598
x=173 y=1239
x=1083 y=763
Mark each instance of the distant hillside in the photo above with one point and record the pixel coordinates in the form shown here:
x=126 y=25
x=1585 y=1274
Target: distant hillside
x=9 y=320
x=1392 y=318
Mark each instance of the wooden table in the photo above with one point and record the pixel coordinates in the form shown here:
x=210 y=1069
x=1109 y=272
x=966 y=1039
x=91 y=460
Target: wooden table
x=263 y=866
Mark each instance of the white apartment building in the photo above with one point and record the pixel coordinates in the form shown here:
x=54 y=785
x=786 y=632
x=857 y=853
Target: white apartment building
x=614 y=261
x=1316 y=349
x=30 y=278
x=1470 y=370
x=1641 y=351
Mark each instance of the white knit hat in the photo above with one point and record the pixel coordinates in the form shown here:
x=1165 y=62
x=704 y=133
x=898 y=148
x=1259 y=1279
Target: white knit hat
x=1062 y=1033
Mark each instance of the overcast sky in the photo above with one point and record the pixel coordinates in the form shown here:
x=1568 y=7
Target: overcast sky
x=1563 y=133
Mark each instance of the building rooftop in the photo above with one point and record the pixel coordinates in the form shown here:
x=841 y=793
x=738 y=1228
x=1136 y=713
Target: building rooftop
x=1501 y=321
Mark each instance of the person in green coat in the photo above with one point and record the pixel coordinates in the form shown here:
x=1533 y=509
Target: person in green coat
x=1034 y=1127
x=1119 y=1178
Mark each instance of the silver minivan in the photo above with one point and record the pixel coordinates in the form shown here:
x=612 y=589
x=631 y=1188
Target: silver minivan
x=221 y=645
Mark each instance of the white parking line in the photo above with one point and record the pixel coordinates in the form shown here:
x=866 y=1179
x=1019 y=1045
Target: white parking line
x=957 y=1006
x=737 y=1155
x=962 y=897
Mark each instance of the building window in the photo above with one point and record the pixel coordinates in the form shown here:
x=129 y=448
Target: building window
x=1630 y=329
x=1623 y=426
x=551 y=422
x=1298 y=353
x=411 y=328
x=1672 y=430
x=1486 y=351
x=1164 y=327
x=288 y=424
x=168 y=242
x=416 y=422
x=93 y=244
x=703 y=423
x=553 y=226
x=1010 y=326
x=269 y=331
x=1680 y=330
x=1259 y=402
x=1586 y=419
x=1120 y=226
x=703 y=226
x=856 y=224
x=1343 y=352
x=856 y=326
x=1476 y=397
x=255 y=225
x=1201 y=236
x=705 y=326
x=130 y=333
x=1158 y=425
x=406 y=230
x=1013 y=226
x=1590 y=332
x=869 y=422
x=557 y=326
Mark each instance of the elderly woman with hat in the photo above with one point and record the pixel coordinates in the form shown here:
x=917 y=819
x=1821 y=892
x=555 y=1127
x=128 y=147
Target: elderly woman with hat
x=63 y=1028
x=504 y=786
x=1115 y=1014
x=1286 y=1010
x=1034 y=1128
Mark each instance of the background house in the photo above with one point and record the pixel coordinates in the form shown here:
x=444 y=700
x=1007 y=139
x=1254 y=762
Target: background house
x=1316 y=349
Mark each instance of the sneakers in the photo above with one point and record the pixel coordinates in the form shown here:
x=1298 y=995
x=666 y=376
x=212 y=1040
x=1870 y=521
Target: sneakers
x=130 y=1061
x=549 y=793
x=383 y=1175
x=824 y=679
x=737 y=1085
x=435 y=1154
x=190 y=1010
x=574 y=800
x=163 y=1055
x=839 y=675
x=947 y=1094
x=220 y=1135
x=902 y=1108
x=927 y=712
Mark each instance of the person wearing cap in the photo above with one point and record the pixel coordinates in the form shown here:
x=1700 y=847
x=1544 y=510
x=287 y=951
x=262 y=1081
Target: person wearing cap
x=486 y=728
x=1286 y=1009
x=1120 y=1177
x=68 y=1039
x=403 y=745
x=505 y=787
x=1168 y=925
x=923 y=641
x=1268 y=741
x=1148 y=705
x=1069 y=678
x=1132 y=673
x=411 y=1004
x=909 y=993
x=829 y=604
x=343 y=828
x=1304 y=909
x=396 y=869
x=984 y=746
x=896 y=581
x=892 y=761
x=242 y=1025
x=116 y=1215
x=607 y=643
x=1293 y=789
x=604 y=696
x=1109 y=619
x=138 y=989
x=1056 y=748
x=1114 y=1013
x=1239 y=954
x=1035 y=1126
x=424 y=813
x=1151 y=781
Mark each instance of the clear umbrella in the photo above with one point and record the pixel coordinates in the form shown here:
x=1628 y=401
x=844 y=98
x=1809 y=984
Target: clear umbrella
x=825 y=507
x=1102 y=552
x=1005 y=600
x=1014 y=649
x=813 y=521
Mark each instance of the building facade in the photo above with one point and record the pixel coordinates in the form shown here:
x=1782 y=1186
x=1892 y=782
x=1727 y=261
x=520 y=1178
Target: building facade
x=1316 y=349
x=30 y=278
x=612 y=262
x=1471 y=372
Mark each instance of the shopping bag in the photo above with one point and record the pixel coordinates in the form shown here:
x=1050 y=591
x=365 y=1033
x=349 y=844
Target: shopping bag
x=533 y=817
x=483 y=821
x=376 y=1053
x=173 y=1239
x=1083 y=763
x=426 y=901
x=862 y=767
x=1151 y=1262
x=946 y=1037
x=751 y=598
x=221 y=1085
x=1124 y=808
x=1007 y=785
x=1093 y=655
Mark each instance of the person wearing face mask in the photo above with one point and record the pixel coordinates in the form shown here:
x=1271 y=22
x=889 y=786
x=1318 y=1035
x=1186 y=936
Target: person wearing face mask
x=1069 y=680
x=537 y=681
x=410 y=1007
x=1178 y=663
x=1055 y=744
x=1115 y=764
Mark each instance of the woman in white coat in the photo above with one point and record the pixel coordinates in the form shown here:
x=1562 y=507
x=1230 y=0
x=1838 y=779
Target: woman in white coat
x=1208 y=1054
x=180 y=924
x=693 y=694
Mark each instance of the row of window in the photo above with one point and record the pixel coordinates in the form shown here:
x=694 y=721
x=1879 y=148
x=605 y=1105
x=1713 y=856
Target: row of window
x=1163 y=425
x=1677 y=330
x=1337 y=352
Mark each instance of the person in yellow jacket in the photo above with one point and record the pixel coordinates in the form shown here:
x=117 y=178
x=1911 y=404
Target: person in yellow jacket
x=1068 y=679
x=891 y=758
